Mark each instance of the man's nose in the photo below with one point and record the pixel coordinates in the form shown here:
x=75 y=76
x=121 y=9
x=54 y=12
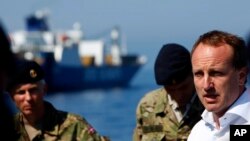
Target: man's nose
x=27 y=95
x=208 y=83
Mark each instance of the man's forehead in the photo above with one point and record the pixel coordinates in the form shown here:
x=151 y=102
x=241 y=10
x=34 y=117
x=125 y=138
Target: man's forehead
x=25 y=86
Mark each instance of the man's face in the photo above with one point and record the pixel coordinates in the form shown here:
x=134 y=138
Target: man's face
x=217 y=82
x=182 y=92
x=29 y=97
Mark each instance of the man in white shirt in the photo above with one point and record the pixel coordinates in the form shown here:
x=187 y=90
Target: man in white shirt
x=220 y=71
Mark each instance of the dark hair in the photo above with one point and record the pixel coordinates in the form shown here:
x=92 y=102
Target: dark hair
x=218 y=38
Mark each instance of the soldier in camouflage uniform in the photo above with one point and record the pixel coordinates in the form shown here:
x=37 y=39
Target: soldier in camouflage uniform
x=38 y=120
x=170 y=112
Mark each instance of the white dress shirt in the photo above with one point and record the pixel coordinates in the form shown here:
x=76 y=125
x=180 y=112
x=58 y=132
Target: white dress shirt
x=237 y=114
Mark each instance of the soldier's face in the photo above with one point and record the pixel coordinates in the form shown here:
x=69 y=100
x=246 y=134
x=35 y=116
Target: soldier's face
x=181 y=92
x=29 y=98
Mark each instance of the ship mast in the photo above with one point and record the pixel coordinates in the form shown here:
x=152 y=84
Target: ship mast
x=115 y=46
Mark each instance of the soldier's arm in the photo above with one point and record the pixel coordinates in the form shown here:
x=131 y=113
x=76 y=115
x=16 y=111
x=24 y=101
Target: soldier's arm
x=138 y=129
x=85 y=132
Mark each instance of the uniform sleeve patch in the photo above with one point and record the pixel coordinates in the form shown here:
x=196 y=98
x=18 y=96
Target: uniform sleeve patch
x=152 y=128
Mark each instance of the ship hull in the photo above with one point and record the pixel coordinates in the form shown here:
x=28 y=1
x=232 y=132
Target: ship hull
x=71 y=74
x=63 y=78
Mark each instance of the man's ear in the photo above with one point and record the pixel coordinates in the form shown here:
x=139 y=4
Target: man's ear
x=243 y=75
x=45 y=88
x=12 y=91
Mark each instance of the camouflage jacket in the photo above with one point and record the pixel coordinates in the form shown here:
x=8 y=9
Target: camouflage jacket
x=59 y=125
x=156 y=121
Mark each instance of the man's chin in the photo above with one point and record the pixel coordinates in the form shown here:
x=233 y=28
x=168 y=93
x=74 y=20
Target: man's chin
x=27 y=112
x=211 y=107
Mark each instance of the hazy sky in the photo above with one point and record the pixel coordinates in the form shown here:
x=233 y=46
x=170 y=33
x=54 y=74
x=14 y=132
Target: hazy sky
x=145 y=22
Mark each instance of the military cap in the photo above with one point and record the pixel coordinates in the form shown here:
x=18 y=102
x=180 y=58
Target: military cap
x=26 y=72
x=172 y=65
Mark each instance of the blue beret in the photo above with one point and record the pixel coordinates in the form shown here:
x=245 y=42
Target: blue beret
x=26 y=72
x=172 y=65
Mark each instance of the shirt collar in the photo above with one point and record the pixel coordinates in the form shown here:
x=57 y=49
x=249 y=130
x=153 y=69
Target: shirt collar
x=240 y=106
x=238 y=110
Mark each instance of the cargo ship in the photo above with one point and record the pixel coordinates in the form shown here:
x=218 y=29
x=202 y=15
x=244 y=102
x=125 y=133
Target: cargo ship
x=72 y=62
